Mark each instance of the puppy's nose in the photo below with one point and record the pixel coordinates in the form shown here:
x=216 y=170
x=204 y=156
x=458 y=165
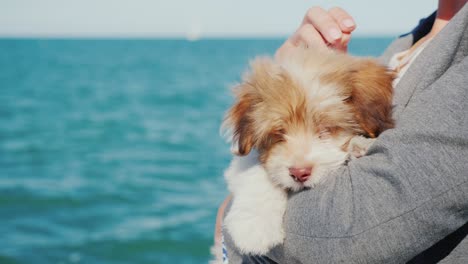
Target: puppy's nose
x=300 y=174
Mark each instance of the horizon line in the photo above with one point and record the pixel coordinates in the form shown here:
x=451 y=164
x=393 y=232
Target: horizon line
x=170 y=37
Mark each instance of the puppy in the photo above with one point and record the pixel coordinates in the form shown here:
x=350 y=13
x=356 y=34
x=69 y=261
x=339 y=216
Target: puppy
x=295 y=120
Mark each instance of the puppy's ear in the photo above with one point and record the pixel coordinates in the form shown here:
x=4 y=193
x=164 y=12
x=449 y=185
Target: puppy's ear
x=247 y=121
x=238 y=121
x=372 y=96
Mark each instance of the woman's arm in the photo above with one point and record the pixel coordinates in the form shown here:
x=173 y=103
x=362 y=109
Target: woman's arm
x=219 y=219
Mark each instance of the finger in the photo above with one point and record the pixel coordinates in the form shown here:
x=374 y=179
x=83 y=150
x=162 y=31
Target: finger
x=342 y=45
x=324 y=24
x=284 y=50
x=309 y=36
x=343 y=19
x=305 y=35
x=345 y=40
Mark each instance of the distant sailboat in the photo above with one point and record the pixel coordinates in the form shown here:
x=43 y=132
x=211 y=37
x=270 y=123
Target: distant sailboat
x=194 y=33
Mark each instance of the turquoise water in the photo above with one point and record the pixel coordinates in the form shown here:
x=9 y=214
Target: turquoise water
x=109 y=149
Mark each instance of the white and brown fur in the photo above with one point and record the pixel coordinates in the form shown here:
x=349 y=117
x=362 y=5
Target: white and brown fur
x=312 y=109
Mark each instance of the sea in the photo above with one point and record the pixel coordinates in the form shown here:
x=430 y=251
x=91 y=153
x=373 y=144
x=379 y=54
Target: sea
x=110 y=149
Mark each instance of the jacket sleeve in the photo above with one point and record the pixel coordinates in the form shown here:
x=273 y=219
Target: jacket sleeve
x=409 y=192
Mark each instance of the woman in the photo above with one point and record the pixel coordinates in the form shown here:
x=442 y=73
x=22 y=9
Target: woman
x=407 y=200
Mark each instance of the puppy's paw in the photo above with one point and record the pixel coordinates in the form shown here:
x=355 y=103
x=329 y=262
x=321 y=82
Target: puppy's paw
x=254 y=235
x=255 y=218
x=359 y=145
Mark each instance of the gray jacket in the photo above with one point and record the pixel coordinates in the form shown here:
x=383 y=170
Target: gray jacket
x=407 y=200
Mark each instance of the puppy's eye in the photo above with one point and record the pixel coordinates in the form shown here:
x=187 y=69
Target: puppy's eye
x=325 y=133
x=278 y=135
x=280 y=132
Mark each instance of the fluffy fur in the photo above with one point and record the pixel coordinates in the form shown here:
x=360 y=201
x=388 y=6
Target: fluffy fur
x=310 y=110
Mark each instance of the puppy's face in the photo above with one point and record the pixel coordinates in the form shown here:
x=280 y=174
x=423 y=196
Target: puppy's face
x=300 y=114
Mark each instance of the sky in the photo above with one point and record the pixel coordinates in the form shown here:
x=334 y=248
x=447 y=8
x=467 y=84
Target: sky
x=202 y=18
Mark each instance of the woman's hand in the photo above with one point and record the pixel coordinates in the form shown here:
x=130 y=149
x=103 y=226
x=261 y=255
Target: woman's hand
x=321 y=28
